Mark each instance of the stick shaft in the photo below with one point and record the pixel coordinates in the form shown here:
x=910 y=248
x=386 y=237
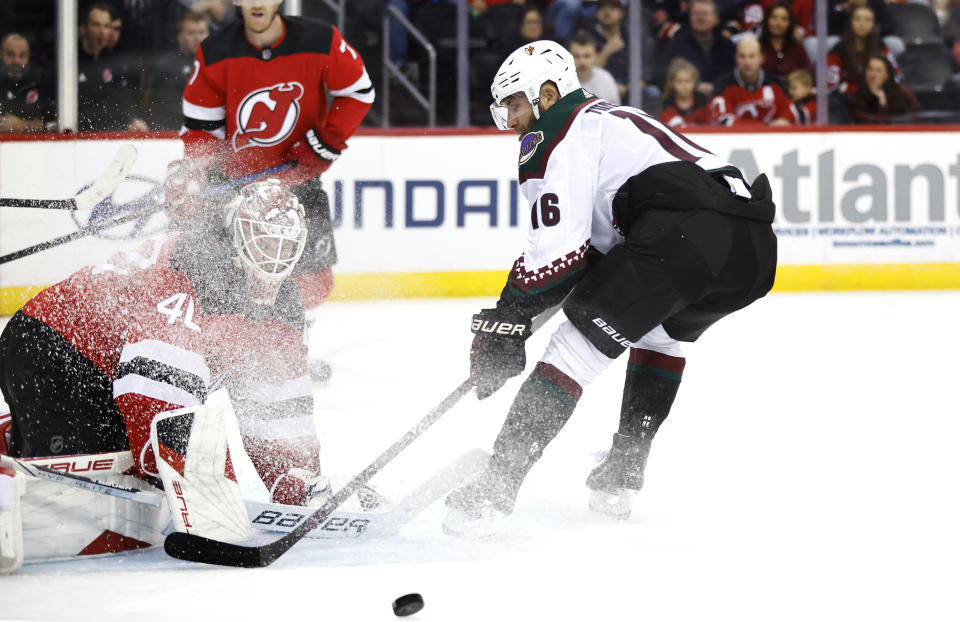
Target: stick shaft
x=76 y=235
x=190 y=547
x=140 y=213
x=61 y=204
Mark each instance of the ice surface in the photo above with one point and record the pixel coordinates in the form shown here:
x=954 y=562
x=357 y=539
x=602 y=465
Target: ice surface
x=808 y=472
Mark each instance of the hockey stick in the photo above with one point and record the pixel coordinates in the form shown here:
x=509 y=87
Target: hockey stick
x=191 y=547
x=99 y=190
x=78 y=481
x=280 y=518
x=118 y=169
x=91 y=229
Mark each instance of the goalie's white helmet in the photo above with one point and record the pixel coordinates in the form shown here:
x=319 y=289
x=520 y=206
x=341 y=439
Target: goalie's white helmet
x=268 y=228
x=525 y=71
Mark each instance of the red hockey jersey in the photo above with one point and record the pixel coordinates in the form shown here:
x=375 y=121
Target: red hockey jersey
x=167 y=325
x=738 y=105
x=262 y=101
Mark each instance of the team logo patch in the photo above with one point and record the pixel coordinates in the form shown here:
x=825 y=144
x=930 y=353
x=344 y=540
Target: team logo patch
x=528 y=145
x=267 y=116
x=32 y=96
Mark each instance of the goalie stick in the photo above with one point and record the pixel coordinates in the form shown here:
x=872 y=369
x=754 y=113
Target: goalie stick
x=91 y=229
x=116 y=172
x=191 y=547
x=78 y=481
x=280 y=518
x=100 y=189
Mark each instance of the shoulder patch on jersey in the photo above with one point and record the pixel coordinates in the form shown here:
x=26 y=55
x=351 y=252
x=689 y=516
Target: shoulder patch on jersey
x=553 y=124
x=528 y=145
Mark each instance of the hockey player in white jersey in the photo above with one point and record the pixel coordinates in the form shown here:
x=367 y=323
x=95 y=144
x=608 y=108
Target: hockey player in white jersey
x=645 y=237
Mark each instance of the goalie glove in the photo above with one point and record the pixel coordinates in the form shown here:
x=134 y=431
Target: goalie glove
x=497 y=353
x=301 y=487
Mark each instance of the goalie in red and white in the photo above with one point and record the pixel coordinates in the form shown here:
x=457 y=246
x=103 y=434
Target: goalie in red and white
x=272 y=89
x=91 y=364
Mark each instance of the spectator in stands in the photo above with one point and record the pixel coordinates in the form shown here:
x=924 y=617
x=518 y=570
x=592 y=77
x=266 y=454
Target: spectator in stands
x=218 y=12
x=529 y=29
x=563 y=15
x=26 y=104
x=701 y=43
x=113 y=33
x=595 y=79
x=751 y=98
x=847 y=60
x=803 y=99
x=107 y=99
x=879 y=98
x=782 y=52
x=170 y=72
x=682 y=104
x=614 y=47
x=479 y=7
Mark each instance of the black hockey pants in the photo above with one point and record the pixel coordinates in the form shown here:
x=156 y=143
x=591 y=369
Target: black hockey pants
x=683 y=267
x=320 y=252
x=61 y=403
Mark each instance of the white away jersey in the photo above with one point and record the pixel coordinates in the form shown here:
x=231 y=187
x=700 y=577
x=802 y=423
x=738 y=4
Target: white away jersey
x=572 y=162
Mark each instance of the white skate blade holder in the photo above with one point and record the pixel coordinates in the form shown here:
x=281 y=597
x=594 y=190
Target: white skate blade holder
x=618 y=505
x=489 y=524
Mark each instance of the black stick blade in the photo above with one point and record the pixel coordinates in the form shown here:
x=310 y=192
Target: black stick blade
x=193 y=548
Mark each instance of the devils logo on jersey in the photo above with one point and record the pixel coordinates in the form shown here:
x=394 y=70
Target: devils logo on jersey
x=267 y=116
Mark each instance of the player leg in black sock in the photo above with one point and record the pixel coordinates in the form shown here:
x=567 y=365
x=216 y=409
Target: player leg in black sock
x=651 y=384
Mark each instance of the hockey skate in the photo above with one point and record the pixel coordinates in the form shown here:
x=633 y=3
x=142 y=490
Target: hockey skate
x=615 y=480
x=478 y=509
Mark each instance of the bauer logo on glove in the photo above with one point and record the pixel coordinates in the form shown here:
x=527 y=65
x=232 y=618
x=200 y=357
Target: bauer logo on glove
x=321 y=149
x=482 y=325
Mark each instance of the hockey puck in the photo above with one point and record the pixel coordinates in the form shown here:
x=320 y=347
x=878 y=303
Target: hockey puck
x=408 y=605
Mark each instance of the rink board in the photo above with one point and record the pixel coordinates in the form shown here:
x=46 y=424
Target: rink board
x=440 y=213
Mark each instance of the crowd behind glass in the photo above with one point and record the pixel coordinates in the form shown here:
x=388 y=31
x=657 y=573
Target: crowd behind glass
x=731 y=63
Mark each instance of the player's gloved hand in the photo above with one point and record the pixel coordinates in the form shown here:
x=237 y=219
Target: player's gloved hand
x=302 y=487
x=498 y=352
x=313 y=156
x=183 y=189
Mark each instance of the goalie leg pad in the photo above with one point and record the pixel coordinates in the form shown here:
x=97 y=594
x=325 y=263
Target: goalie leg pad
x=12 y=486
x=194 y=463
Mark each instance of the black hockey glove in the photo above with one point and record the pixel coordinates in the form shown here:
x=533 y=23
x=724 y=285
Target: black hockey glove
x=313 y=156
x=497 y=353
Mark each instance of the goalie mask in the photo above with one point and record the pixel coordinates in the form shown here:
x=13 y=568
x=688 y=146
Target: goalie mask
x=268 y=228
x=526 y=70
